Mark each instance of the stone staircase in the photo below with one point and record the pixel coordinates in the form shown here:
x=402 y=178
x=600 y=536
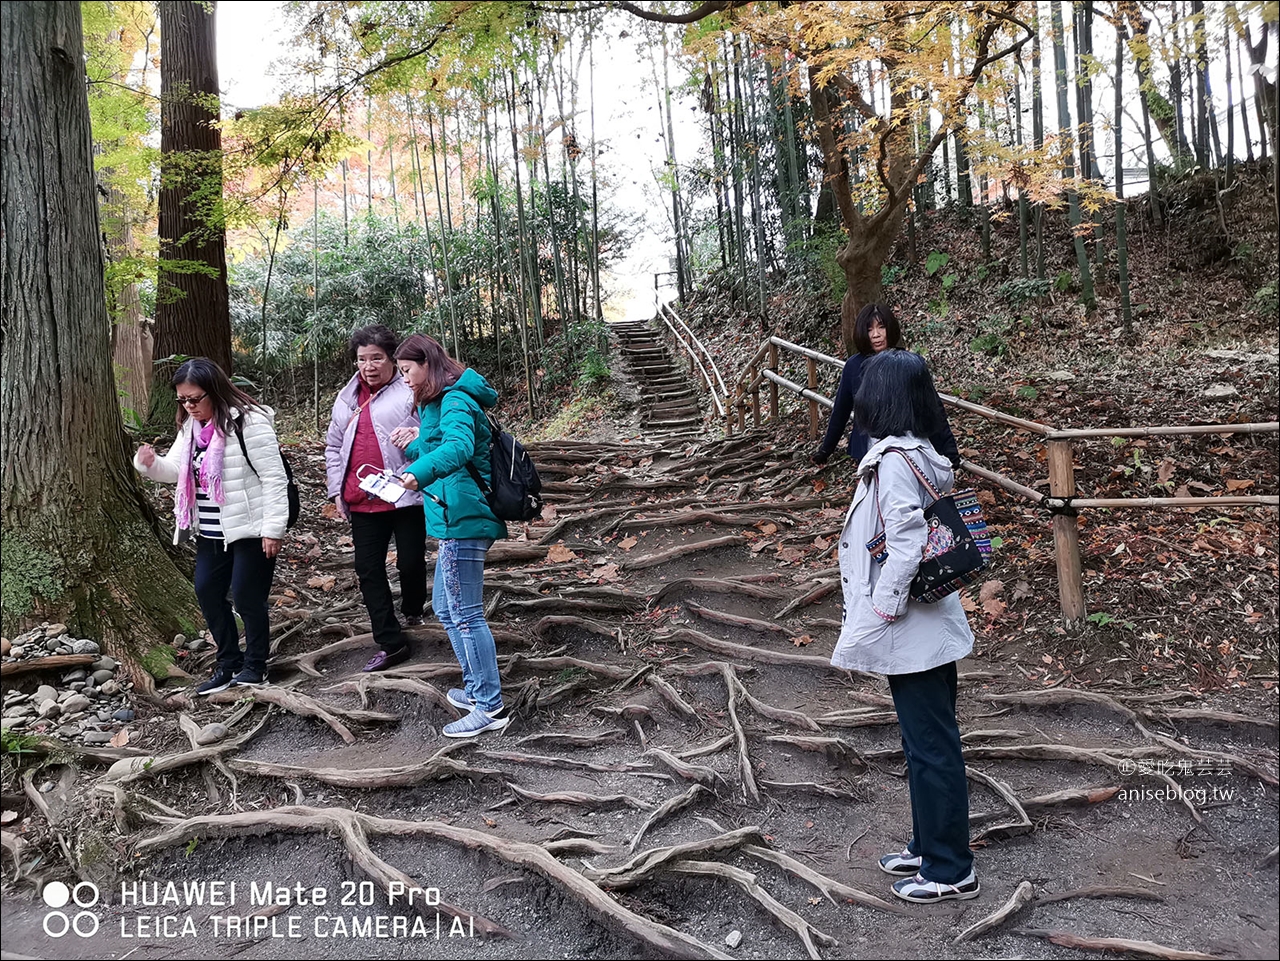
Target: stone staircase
x=669 y=406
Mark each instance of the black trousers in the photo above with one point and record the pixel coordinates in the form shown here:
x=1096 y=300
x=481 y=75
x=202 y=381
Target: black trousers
x=926 y=706
x=242 y=569
x=371 y=534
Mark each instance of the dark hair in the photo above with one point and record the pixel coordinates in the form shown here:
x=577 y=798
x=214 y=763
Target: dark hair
x=375 y=335
x=862 y=328
x=897 y=397
x=442 y=370
x=209 y=377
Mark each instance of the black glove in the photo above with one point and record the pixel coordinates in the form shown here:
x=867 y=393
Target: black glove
x=819 y=457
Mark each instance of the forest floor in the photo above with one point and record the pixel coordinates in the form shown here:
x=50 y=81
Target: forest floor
x=684 y=763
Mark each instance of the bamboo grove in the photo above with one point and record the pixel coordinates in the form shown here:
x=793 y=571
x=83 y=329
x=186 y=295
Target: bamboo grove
x=439 y=166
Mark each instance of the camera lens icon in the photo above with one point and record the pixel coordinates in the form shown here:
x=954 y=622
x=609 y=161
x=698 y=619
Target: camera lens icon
x=57 y=895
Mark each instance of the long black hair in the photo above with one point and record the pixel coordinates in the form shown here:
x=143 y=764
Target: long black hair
x=211 y=379
x=897 y=397
x=866 y=319
x=442 y=370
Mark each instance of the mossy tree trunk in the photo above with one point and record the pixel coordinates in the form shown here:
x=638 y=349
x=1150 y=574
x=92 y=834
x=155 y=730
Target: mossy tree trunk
x=79 y=542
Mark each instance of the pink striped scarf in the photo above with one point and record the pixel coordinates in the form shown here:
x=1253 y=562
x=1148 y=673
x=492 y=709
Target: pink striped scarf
x=215 y=443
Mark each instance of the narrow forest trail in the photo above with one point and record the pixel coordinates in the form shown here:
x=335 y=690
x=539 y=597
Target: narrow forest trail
x=669 y=409
x=684 y=763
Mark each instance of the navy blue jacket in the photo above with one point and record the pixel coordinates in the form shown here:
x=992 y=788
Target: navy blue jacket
x=943 y=441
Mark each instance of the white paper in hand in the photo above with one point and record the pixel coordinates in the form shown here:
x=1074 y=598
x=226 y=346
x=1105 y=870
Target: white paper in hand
x=384 y=486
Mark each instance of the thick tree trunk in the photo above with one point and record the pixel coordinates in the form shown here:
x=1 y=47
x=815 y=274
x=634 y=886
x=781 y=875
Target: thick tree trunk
x=79 y=545
x=192 y=313
x=131 y=340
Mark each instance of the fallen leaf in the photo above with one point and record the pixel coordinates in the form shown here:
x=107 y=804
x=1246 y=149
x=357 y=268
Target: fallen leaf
x=1238 y=485
x=330 y=510
x=821 y=543
x=758 y=546
x=767 y=529
x=324 y=582
x=819 y=486
x=549 y=513
x=120 y=738
x=609 y=572
x=559 y=553
x=802 y=641
x=994 y=607
x=627 y=543
x=967 y=602
x=1167 y=467
x=1020 y=590
x=1047 y=658
x=986 y=497
x=990 y=589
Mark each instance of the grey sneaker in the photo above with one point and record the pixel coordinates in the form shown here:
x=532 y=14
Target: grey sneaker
x=477 y=722
x=458 y=698
x=220 y=681
x=920 y=891
x=902 y=864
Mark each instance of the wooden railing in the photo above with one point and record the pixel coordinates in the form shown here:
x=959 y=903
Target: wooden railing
x=700 y=357
x=1061 y=500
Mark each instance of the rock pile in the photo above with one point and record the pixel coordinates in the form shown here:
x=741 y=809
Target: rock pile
x=87 y=704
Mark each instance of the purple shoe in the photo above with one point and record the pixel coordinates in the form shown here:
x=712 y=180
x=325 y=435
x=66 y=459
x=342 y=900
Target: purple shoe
x=383 y=660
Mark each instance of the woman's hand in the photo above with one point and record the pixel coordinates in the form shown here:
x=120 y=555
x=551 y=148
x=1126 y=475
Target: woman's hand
x=408 y=482
x=146 y=455
x=402 y=437
x=271 y=546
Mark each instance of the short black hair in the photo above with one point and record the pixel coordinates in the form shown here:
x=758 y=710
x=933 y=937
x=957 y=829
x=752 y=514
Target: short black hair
x=375 y=335
x=209 y=377
x=897 y=397
x=862 y=328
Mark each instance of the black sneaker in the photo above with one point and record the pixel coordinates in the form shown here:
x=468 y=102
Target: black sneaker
x=220 y=681
x=248 y=678
x=920 y=891
x=415 y=620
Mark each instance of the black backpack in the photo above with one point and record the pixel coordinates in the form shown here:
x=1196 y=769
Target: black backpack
x=516 y=491
x=291 y=486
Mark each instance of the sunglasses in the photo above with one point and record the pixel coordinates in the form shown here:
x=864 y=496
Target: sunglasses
x=191 y=401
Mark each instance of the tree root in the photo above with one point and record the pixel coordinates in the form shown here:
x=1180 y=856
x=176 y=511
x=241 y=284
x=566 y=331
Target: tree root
x=304 y=705
x=148 y=767
x=829 y=886
x=747 y=882
x=1085 y=795
x=734 y=620
x=681 y=550
x=1008 y=829
x=542 y=760
x=389 y=682
x=690 y=518
x=545 y=624
x=713 y=585
x=1220 y=717
x=1145 y=949
x=715 y=747
x=707 y=777
x=665 y=810
x=1021 y=897
x=572 y=740
x=439 y=767
x=837 y=750
x=672 y=697
x=740 y=735
x=742 y=651
x=1101 y=891
x=647 y=863
x=811 y=787
x=857 y=718
x=580 y=799
x=809 y=597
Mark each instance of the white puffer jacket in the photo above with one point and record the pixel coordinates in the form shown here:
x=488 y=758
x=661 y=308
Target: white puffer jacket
x=257 y=504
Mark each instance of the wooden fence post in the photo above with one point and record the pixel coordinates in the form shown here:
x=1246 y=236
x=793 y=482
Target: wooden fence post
x=755 y=397
x=1066 y=535
x=773 y=386
x=813 y=404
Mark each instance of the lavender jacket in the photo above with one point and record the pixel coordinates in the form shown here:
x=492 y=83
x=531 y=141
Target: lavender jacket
x=390 y=408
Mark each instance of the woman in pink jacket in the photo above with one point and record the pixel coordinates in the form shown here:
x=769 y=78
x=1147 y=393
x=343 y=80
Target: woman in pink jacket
x=372 y=405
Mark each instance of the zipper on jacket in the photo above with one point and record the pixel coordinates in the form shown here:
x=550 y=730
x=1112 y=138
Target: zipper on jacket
x=444 y=508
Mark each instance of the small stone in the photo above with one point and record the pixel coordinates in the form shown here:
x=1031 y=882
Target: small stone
x=197 y=644
x=1062 y=376
x=50 y=708
x=53 y=630
x=12 y=723
x=110 y=688
x=47 y=786
x=45 y=692
x=77 y=702
x=179 y=640
x=103 y=717
x=98 y=737
x=69 y=731
x=19 y=710
x=128 y=765
x=52 y=645
x=734 y=939
x=101 y=677
x=79 y=674
x=124 y=714
x=6 y=646
x=77 y=685
x=211 y=733
x=85 y=647
x=104 y=663
x=18 y=650
x=1220 y=390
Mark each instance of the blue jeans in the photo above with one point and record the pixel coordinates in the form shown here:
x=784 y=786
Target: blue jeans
x=458 y=601
x=926 y=706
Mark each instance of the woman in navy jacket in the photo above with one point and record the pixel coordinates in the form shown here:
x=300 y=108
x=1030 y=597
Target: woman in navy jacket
x=875 y=330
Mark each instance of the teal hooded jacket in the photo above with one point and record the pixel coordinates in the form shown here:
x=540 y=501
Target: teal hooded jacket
x=454 y=432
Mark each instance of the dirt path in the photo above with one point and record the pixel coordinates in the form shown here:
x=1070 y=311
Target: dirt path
x=664 y=632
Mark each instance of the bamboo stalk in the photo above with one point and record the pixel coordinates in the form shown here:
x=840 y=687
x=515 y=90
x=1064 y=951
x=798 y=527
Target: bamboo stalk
x=1008 y=484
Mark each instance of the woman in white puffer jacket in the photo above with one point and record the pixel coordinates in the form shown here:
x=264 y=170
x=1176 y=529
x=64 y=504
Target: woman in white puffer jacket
x=233 y=499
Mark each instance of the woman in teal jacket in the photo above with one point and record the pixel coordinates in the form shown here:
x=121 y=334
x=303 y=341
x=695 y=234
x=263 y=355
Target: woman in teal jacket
x=453 y=435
